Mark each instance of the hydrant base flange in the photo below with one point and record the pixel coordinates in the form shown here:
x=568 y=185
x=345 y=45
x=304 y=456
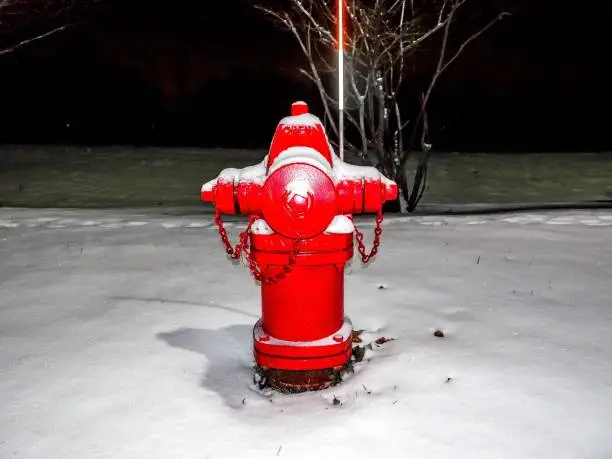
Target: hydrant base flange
x=333 y=351
x=296 y=381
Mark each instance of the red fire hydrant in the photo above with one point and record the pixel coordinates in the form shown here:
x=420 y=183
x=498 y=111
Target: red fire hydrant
x=300 y=200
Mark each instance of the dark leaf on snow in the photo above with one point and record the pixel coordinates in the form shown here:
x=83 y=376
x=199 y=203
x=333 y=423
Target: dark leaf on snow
x=358 y=353
x=356 y=336
x=383 y=340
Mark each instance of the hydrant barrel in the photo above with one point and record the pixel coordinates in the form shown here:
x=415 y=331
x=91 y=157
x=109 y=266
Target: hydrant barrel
x=314 y=313
x=308 y=304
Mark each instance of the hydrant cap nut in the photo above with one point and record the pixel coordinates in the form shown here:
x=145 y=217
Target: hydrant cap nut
x=299 y=108
x=297 y=204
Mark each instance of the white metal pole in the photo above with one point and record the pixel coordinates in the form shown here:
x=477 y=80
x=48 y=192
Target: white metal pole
x=341 y=77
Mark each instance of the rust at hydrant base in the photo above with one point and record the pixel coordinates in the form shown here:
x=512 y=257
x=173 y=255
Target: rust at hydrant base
x=300 y=200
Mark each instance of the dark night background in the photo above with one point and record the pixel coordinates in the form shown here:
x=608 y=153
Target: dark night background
x=184 y=72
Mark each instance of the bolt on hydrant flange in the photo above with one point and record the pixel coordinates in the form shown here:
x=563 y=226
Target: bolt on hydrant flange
x=300 y=200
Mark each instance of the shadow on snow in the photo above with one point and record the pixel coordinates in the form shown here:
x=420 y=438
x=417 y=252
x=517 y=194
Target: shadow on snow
x=229 y=356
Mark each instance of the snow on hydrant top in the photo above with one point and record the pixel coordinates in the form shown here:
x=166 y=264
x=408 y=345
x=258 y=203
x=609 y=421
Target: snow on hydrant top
x=301 y=129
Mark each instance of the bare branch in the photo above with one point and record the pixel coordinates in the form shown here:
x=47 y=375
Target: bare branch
x=25 y=22
x=324 y=33
x=441 y=67
x=27 y=41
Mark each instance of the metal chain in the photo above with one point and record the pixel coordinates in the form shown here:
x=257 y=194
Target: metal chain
x=234 y=252
x=242 y=247
x=377 y=232
x=286 y=269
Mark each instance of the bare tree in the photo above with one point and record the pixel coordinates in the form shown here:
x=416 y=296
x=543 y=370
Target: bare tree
x=382 y=47
x=23 y=22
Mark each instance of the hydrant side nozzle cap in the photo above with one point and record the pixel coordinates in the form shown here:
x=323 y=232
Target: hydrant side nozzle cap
x=299 y=108
x=207 y=191
x=390 y=191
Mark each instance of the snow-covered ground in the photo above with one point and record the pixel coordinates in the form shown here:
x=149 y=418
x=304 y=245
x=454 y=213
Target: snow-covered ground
x=127 y=335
